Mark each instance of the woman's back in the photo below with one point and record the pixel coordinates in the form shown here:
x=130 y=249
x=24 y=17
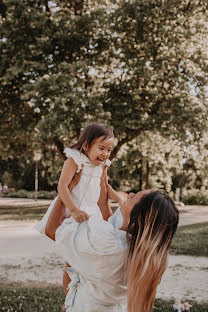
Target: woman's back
x=97 y=251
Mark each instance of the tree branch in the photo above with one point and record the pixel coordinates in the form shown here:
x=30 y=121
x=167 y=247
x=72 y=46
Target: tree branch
x=47 y=7
x=125 y=140
x=188 y=6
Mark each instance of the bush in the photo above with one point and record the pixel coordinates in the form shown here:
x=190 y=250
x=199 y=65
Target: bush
x=195 y=197
x=46 y=195
x=19 y=194
x=31 y=195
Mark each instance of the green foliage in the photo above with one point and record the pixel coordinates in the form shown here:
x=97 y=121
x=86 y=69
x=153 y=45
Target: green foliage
x=140 y=66
x=191 y=240
x=19 y=194
x=195 y=197
x=31 y=195
x=171 y=165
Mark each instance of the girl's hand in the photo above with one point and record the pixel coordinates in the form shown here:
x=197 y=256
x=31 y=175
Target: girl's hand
x=103 y=199
x=79 y=215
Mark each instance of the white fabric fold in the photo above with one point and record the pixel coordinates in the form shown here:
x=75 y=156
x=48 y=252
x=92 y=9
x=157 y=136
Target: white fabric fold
x=96 y=251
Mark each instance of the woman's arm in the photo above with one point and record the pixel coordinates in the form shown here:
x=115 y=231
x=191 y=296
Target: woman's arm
x=55 y=219
x=103 y=199
x=67 y=174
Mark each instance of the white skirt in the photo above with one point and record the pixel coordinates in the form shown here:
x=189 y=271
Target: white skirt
x=41 y=225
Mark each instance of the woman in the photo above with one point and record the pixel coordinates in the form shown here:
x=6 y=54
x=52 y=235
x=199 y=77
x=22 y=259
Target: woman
x=117 y=265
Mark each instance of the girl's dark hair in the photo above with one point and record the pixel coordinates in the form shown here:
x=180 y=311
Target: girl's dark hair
x=153 y=223
x=90 y=133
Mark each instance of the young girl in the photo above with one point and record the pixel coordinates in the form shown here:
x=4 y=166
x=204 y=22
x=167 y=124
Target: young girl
x=90 y=154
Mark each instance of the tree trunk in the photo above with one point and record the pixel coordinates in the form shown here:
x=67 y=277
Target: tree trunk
x=141 y=175
x=133 y=135
x=147 y=175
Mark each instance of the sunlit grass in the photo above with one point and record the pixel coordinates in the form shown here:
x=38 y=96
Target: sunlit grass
x=22 y=299
x=22 y=213
x=191 y=240
x=50 y=299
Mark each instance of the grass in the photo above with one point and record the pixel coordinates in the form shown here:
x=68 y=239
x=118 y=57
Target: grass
x=22 y=213
x=30 y=299
x=191 y=240
x=33 y=299
x=30 y=212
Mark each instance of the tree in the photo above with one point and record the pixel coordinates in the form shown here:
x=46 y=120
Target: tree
x=136 y=65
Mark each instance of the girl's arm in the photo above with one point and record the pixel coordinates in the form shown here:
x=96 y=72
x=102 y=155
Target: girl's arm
x=67 y=174
x=57 y=214
x=112 y=194
x=103 y=199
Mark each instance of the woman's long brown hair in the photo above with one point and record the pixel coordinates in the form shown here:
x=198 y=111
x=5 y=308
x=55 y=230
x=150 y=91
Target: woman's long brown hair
x=153 y=223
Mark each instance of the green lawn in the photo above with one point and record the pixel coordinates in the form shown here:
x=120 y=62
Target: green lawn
x=191 y=240
x=22 y=213
x=21 y=299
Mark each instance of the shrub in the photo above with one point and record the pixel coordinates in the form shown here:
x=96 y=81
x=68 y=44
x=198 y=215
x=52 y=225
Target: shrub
x=31 y=195
x=46 y=195
x=195 y=197
x=19 y=194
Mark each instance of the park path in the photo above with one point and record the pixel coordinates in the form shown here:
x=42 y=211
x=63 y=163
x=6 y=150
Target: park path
x=30 y=258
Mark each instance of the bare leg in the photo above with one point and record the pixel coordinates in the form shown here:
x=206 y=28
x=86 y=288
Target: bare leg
x=66 y=280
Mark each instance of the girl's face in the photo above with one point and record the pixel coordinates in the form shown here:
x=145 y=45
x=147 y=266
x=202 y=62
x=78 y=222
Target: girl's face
x=100 y=150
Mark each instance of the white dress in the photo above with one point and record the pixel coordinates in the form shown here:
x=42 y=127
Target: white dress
x=96 y=250
x=86 y=193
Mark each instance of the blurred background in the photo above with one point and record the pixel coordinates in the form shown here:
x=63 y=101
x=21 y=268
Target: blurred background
x=139 y=66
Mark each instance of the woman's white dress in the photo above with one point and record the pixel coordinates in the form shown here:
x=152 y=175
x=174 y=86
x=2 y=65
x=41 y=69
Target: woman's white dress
x=96 y=250
x=86 y=193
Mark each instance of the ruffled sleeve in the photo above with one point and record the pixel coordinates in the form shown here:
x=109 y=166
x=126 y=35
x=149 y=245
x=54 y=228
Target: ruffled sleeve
x=76 y=156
